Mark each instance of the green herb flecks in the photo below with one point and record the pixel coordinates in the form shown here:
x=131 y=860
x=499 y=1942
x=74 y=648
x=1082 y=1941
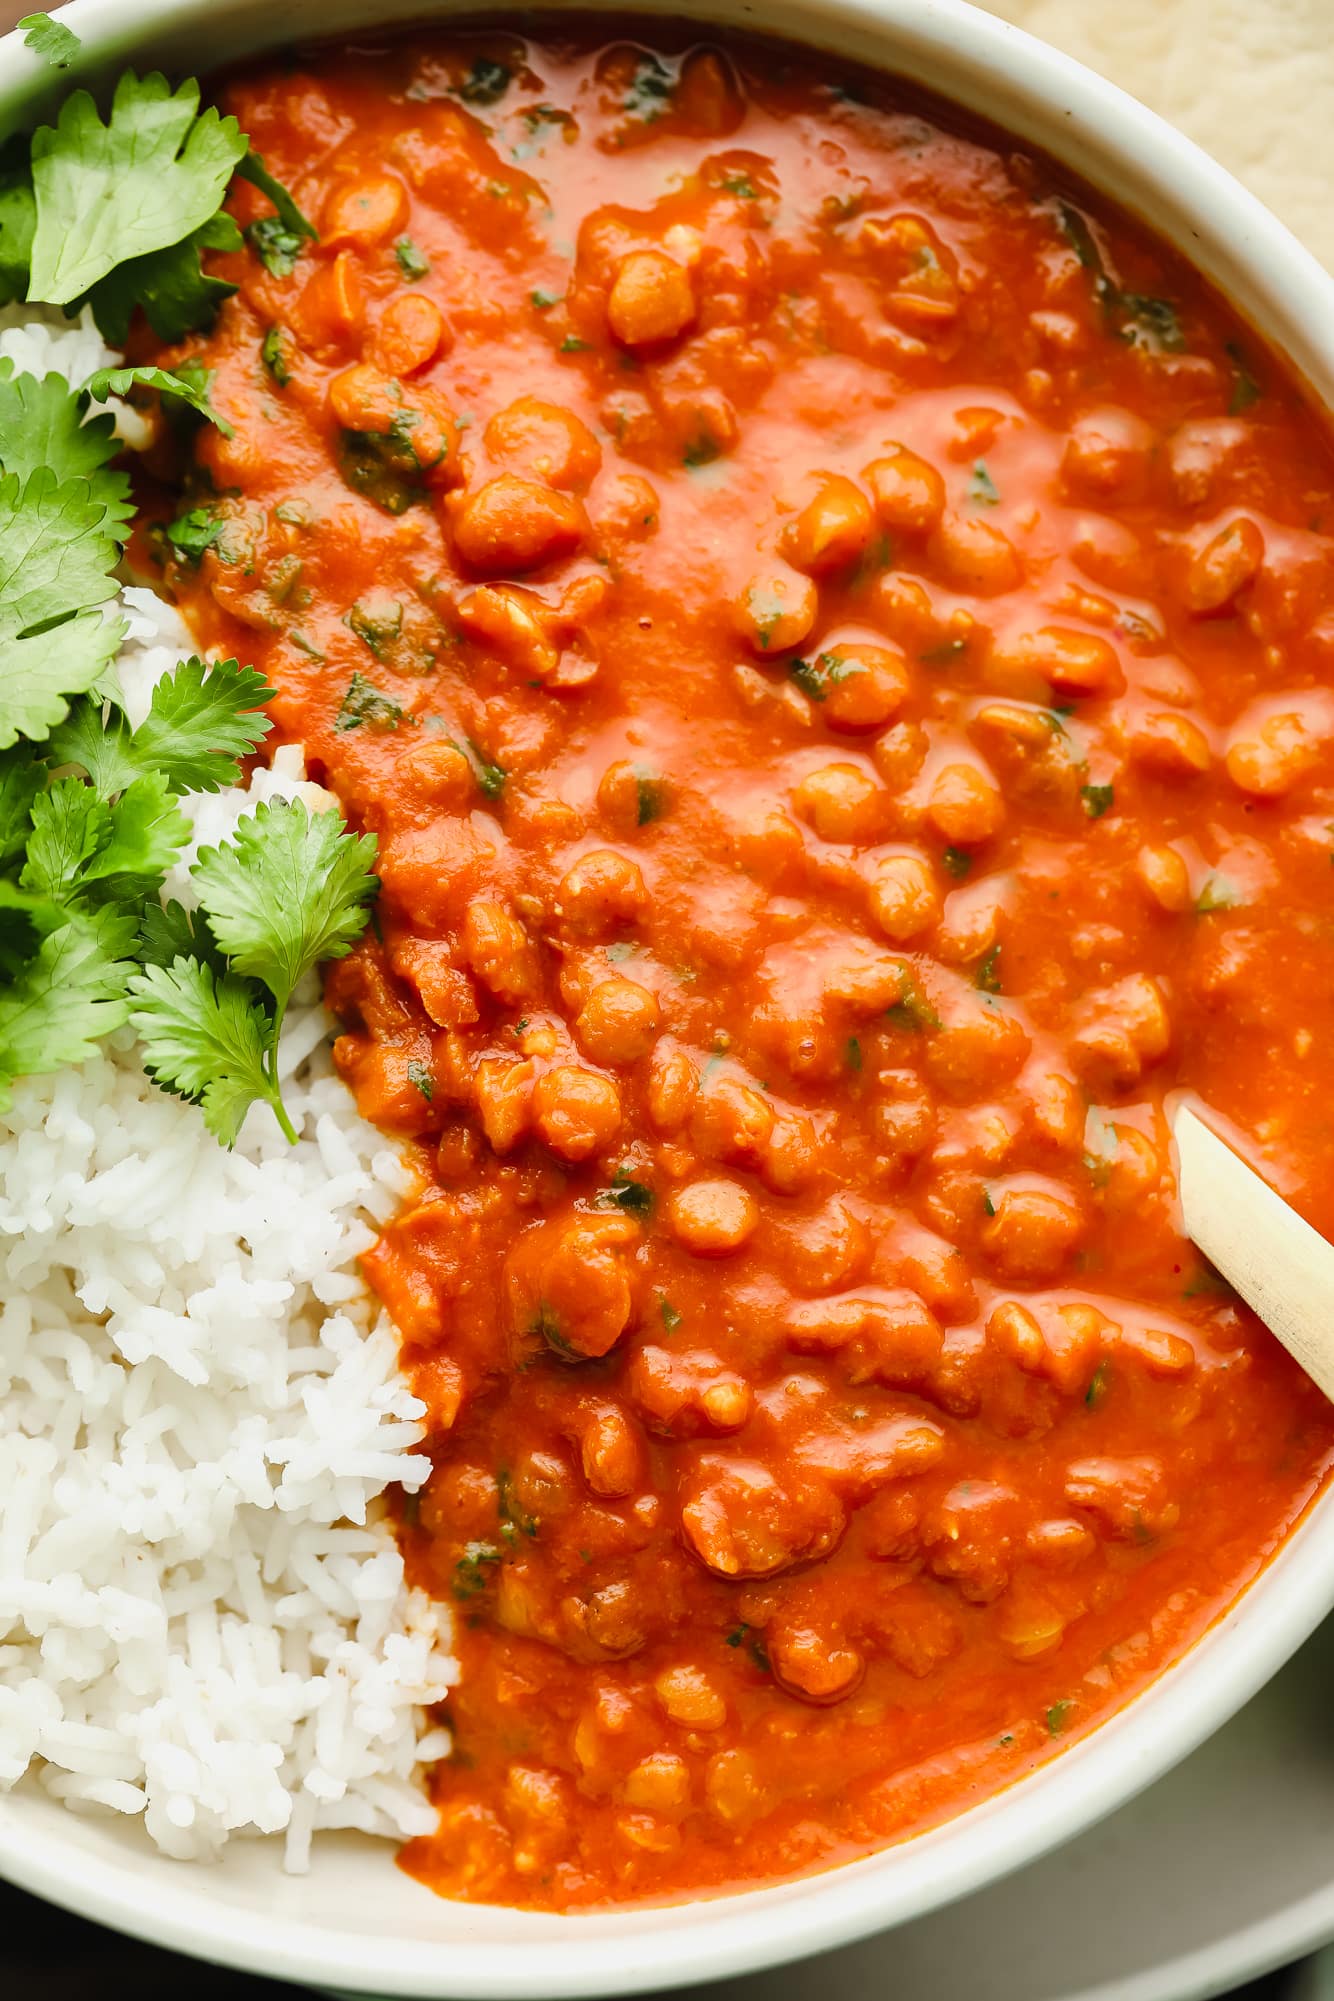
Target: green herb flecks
x=650 y=794
x=378 y=622
x=956 y=861
x=1218 y=893
x=276 y=351
x=421 y=1080
x=982 y=488
x=486 y=82
x=412 y=261
x=1098 y=1385
x=631 y=1197
x=1059 y=1715
x=668 y=1314
x=651 y=90
x=987 y=974
x=1097 y=799
x=364 y=706
x=913 y=1011
x=1150 y=323
x=475 y=1568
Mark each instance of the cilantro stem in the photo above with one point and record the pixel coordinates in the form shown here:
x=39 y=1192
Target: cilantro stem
x=289 y=1131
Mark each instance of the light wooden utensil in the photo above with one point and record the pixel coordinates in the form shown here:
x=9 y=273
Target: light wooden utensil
x=1282 y=1268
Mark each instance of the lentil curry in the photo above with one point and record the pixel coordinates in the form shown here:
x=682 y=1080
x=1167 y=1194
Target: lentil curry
x=829 y=627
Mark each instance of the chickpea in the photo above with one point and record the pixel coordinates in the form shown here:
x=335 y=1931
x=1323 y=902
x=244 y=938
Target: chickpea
x=363 y=398
x=741 y=1520
x=1124 y=1028
x=618 y=1023
x=690 y=1698
x=363 y=211
x=512 y=623
x=1166 y=741
x=923 y=292
x=864 y=687
x=611 y=1454
x=600 y=892
x=672 y=1085
x=732 y=1122
x=775 y=613
x=630 y=796
x=513 y=523
x=733 y=1787
x=899 y=754
x=841 y=803
x=904 y=899
x=660 y=1783
x=651 y=299
x=904 y=1118
x=1107 y=455
x=503 y=1092
x=1034 y=1232
x=436 y=775
x=1165 y=876
x=575 y=1111
x=409 y=334
x=500 y=952
x=708 y=97
x=1129 y=1496
x=713 y=1217
x=545 y=441
x=567 y=1284
x=1267 y=765
x=909 y=494
x=1075 y=663
x=974 y=555
x=832 y=531
x=329 y=313
x=965 y=805
x=814 y=1666
x=1223 y=567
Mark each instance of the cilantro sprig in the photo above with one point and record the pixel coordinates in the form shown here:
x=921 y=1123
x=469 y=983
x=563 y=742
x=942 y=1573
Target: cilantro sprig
x=290 y=889
x=117 y=214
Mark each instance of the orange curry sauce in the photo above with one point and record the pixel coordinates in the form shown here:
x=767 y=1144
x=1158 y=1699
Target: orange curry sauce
x=828 y=627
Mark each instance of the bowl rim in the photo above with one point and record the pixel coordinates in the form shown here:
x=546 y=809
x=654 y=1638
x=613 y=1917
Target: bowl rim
x=979 y=62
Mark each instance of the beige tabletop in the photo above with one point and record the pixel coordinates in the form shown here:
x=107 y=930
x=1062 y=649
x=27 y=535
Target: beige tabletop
x=1251 y=80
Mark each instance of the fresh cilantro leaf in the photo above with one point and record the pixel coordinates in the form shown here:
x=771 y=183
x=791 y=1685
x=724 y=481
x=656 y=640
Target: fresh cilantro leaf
x=176 y=293
x=69 y=824
x=650 y=794
x=193 y=532
x=26 y=917
x=364 y=703
x=671 y=1317
x=542 y=302
x=200 y=721
x=169 y=931
x=957 y=860
x=1097 y=799
x=69 y=996
x=205 y=1038
x=108 y=195
x=102 y=749
x=55 y=553
x=51 y=40
x=982 y=488
x=412 y=262
x=421 y=1080
x=120 y=381
x=42 y=424
x=40 y=672
x=289 y=889
x=147 y=832
x=1151 y=323
x=18 y=218
x=21 y=779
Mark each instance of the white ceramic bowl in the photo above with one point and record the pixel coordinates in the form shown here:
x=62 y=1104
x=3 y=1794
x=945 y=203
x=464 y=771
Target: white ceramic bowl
x=356 y=1922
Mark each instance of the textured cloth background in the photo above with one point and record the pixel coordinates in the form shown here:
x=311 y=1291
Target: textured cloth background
x=1252 y=81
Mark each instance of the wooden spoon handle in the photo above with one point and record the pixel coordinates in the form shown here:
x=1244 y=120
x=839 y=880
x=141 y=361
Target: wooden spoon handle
x=1282 y=1268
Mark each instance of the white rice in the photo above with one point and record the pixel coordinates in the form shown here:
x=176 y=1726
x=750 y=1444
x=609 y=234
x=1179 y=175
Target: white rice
x=203 y=1615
